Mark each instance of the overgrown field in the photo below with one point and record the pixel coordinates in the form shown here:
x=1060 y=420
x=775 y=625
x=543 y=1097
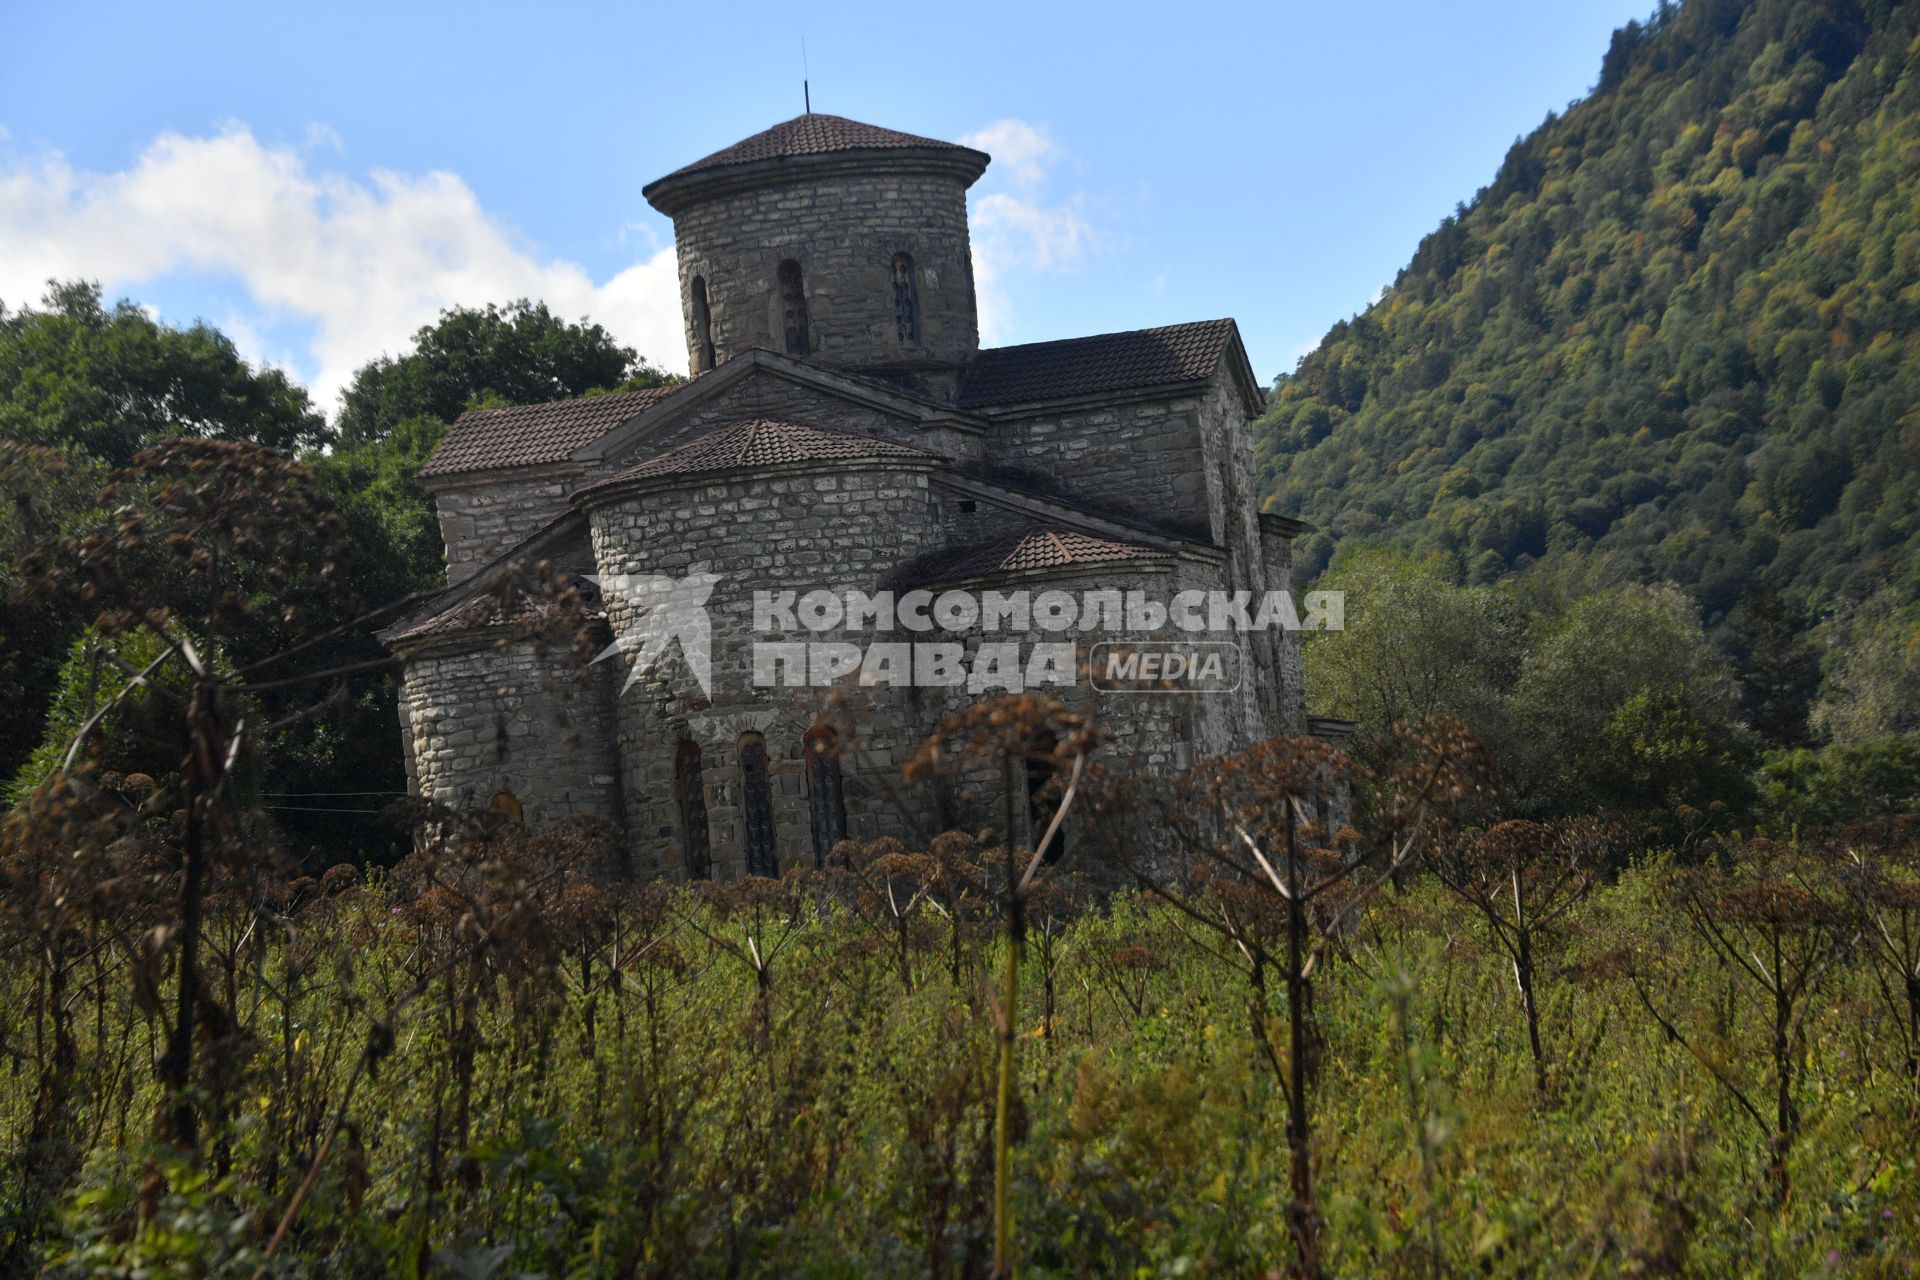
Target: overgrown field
x=494 y=1066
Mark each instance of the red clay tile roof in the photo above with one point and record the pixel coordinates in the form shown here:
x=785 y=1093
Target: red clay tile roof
x=528 y=434
x=1091 y=366
x=761 y=442
x=1038 y=547
x=810 y=135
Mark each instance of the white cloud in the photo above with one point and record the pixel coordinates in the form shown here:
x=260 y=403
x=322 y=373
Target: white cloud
x=1020 y=150
x=1020 y=231
x=363 y=264
x=1378 y=294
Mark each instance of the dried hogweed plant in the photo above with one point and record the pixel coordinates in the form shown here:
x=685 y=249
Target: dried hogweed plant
x=1270 y=869
x=1523 y=878
x=1770 y=915
x=1022 y=739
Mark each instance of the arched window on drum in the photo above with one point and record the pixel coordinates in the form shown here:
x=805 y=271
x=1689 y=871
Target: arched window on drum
x=906 y=300
x=793 y=309
x=702 y=326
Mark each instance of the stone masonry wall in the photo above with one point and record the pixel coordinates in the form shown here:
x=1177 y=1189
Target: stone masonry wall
x=486 y=515
x=1137 y=457
x=486 y=717
x=844 y=232
x=830 y=527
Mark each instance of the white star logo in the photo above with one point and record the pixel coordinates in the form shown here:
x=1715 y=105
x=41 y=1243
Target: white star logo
x=661 y=610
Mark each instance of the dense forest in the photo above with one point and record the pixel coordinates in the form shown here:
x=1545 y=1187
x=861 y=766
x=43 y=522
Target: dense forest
x=1675 y=340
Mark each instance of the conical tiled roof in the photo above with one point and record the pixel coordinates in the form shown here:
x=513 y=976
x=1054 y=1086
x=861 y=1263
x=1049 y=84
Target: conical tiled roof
x=811 y=135
x=762 y=442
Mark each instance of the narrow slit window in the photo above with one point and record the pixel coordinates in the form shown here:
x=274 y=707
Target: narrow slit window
x=756 y=804
x=1043 y=797
x=702 y=326
x=826 y=796
x=906 y=300
x=793 y=309
x=689 y=790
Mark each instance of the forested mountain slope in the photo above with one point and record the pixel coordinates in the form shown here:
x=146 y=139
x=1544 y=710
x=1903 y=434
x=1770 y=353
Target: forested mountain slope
x=1677 y=338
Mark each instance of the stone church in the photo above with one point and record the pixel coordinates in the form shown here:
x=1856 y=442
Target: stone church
x=844 y=429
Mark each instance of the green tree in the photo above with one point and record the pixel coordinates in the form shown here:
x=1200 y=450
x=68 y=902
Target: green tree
x=48 y=493
x=520 y=353
x=1628 y=705
x=1414 y=646
x=111 y=381
x=1872 y=690
x=1779 y=671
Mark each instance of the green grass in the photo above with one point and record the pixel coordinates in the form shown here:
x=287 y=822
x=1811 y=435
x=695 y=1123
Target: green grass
x=841 y=1125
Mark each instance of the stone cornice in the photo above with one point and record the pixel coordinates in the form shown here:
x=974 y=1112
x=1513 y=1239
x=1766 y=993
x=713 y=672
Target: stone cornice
x=482 y=479
x=677 y=193
x=616 y=489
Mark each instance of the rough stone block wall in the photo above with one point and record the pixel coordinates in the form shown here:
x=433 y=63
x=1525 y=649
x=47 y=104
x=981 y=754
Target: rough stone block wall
x=1134 y=458
x=487 y=515
x=829 y=528
x=486 y=716
x=844 y=232
x=1226 y=434
x=1289 y=676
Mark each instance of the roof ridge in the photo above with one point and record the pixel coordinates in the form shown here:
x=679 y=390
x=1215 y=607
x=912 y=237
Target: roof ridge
x=1114 y=333
x=746 y=445
x=809 y=134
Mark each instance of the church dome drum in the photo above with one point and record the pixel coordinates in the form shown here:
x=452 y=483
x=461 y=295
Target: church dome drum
x=827 y=238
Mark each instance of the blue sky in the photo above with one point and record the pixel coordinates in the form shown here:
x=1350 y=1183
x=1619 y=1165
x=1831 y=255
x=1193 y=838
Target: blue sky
x=320 y=179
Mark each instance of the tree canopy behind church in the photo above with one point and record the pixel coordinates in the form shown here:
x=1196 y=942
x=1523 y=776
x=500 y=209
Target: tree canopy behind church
x=1677 y=338
x=97 y=384
x=76 y=374
x=517 y=354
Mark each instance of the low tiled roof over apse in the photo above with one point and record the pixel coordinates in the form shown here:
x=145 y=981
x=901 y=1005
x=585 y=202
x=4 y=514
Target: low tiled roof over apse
x=812 y=135
x=529 y=434
x=763 y=442
x=1037 y=547
x=1103 y=363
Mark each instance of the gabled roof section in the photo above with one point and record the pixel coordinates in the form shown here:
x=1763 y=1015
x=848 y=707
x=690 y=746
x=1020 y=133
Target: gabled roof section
x=530 y=434
x=1038 y=546
x=715 y=384
x=1102 y=364
x=764 y=442
x=812 y=135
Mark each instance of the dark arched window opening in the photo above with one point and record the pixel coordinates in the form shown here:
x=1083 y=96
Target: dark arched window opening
x=507 y=805
x=793 y=309
x=825 y=794
x=702 y=326
x=756 y=804
x=689 y=790
x=906 y=300
x=1043 y=797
